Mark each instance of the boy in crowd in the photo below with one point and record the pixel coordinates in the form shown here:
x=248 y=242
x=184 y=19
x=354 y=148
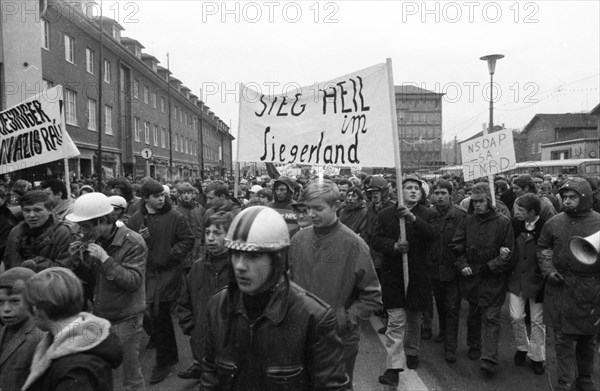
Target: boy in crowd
x=18 y=335
x=332 y=262
x=207 y=276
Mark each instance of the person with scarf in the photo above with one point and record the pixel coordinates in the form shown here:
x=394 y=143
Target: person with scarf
x=265 y=332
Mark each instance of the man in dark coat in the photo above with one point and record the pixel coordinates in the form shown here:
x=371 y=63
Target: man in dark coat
x=404 y=312
x=444 y=276
x=169 y=239
x=264 y=332
x=482 y=244
x=525 y=284
x=354 y=212
x=572 y=290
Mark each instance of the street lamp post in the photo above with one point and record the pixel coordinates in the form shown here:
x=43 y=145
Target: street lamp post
x=491 y=61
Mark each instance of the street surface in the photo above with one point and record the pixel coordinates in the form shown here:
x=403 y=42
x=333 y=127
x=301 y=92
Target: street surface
x=433 y=374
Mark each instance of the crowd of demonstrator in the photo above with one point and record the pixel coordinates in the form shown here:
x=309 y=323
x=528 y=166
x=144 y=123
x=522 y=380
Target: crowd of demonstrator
x=271 y=283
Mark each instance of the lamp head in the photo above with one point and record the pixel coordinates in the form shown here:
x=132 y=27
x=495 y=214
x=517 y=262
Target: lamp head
x=491 y=60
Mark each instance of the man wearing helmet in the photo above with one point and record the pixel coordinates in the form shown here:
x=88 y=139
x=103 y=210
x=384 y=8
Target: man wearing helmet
x=113 y=258
x=263 y=331
x=331 y=261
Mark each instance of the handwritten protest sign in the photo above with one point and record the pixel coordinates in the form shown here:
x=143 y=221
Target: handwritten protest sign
x=488 y=155
x=342 y=122
x=34 y=132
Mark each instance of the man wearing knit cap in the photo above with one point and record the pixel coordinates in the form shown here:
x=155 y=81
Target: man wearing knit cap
x=483 y=244
x=18 y=335
x=572 y=290
x=169 y=239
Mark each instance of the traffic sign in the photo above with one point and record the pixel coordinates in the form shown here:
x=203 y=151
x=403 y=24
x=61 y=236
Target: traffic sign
x=146 y=153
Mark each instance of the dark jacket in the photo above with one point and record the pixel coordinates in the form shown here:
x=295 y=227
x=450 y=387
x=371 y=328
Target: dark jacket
x=354 y=217
x=477 y=242
x=229 y=206
x=369 y=228
x=194 y=213
x=119 y=282
x=525 y=277
x=170 y=241
x=207 y=276
x=49 y=248
x=81 y=357
x=16 y=355
x=291 y=346
x=442 y=263
x=420 y=236
x=7 y=222
x=573 y=307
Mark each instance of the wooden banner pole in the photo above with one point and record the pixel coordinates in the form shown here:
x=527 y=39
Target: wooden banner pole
x=396 y=142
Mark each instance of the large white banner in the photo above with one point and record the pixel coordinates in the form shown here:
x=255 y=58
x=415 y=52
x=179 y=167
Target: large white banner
x=342 y=122
x=34 y=132
x=488 y=155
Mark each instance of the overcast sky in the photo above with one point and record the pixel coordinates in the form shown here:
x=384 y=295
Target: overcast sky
x=551 y=50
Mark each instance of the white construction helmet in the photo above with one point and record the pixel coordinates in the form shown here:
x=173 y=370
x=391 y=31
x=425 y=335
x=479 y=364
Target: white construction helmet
x=90 y=206
x=255 y=189
x=258 y=229
x=117 y=201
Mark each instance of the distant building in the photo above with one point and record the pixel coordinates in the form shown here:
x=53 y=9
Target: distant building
x=562 y=136
x=419 y=113
x=62 y=46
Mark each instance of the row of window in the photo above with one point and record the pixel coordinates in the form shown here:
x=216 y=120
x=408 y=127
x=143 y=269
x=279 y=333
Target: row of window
x=211 y=154
x=151 y=98
x=161 y=136
x=181 y=144
x=92 y=104
x=538 y=149
x=90 y=55
x=410 y=117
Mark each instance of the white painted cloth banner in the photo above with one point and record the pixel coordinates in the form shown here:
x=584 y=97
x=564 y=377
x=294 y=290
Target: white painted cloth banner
x=343 y=122
x=488 y=155
x=34 y=132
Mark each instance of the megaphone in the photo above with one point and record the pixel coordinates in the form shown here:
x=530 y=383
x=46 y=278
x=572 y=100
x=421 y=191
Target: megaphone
x=585 y=250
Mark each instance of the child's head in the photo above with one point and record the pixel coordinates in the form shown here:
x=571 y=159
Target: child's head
x=216 y=229
x=14 y=309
